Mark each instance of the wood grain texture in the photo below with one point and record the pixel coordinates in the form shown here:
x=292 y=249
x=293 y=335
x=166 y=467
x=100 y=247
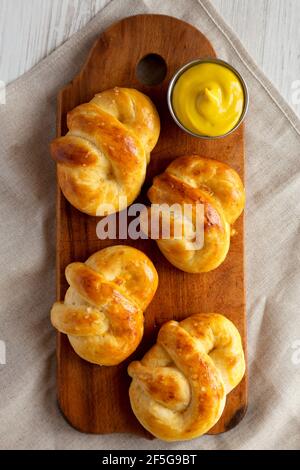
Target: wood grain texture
x=31 y=29
x=269 y=29
x=95 y=399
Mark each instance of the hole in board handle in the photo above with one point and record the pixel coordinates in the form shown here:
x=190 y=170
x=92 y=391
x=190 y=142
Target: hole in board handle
x=151 y=69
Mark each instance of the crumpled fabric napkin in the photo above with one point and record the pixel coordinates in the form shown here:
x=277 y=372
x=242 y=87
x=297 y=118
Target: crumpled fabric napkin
x=29 y=416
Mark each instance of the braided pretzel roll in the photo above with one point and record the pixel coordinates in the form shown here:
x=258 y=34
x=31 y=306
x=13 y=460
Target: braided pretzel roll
x=193 y=180
x=102 y=313
x=178 y=390
x=102 y=160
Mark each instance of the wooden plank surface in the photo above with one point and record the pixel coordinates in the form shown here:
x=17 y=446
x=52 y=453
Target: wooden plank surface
x=95 y=399
x=269 y=29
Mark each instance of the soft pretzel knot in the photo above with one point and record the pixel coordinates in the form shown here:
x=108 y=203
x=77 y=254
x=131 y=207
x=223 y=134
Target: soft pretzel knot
x=102 y=312
x=179 y=388
x=102 y=160
x=197 y=181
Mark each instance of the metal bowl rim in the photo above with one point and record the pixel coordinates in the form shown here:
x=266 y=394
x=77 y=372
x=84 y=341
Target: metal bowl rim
x=192 y=63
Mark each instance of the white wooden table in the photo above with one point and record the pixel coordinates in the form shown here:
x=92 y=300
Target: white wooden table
x=269 y=29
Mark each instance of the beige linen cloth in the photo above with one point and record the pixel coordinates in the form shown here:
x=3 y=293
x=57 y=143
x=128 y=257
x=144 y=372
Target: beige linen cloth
x=29 y=417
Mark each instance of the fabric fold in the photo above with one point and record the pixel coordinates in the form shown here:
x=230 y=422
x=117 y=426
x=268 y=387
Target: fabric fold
x=29 y=415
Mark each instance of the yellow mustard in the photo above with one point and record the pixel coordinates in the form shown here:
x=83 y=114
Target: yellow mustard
x=208 y=99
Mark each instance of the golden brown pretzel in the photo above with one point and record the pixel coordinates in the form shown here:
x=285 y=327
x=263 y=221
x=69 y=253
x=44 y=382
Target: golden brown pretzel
x=102 y=313
x=102 y=160
x=178 y=390
x=191 y=180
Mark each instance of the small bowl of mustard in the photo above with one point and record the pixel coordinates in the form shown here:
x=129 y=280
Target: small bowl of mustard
x=208 y=98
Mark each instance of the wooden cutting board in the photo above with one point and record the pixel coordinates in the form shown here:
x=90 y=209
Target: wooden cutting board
x=95 y=399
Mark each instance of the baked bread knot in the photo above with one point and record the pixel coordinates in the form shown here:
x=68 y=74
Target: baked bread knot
x=178 y=390
x=102 y=312
x=194 y=181
x=102 y=160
